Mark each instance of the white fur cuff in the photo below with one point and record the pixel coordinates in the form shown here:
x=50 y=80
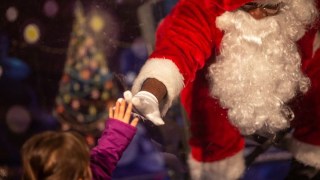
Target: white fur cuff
x=305 y=153
x=230 y=168
x=165 y=71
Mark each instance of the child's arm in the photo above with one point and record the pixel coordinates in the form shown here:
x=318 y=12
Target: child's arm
x=115 y=138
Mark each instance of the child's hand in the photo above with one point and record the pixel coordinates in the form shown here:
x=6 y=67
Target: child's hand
x=123 y=113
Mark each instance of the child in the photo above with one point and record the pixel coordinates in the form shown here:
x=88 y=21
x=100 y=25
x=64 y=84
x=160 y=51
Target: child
x=65 y=155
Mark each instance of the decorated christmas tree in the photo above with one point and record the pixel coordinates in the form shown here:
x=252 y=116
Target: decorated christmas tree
x=86 y=88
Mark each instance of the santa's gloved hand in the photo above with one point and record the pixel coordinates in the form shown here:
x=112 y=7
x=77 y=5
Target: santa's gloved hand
x=146 y=104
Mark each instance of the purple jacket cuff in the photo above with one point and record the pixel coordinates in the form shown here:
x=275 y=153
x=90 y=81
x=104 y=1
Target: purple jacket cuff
x=115 y=138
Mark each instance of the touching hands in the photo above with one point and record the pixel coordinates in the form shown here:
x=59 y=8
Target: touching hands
x=122 y=112
x=146 y=104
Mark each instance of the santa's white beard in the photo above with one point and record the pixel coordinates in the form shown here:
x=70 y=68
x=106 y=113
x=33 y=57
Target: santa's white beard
x=258 y=70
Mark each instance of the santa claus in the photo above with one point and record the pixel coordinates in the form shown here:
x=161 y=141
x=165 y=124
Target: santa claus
x=236 y=65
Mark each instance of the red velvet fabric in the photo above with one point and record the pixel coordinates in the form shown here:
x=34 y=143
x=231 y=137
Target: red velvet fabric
x=307 y=108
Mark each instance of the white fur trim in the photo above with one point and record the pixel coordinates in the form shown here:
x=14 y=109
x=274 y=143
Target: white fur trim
x=165 y=71
x=230 y=168
x=305 y=153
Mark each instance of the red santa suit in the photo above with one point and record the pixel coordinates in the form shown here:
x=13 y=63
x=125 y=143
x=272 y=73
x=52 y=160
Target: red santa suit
x=188 y=42
x=305 y=144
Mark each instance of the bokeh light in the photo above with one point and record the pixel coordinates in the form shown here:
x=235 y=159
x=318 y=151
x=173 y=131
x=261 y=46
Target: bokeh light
x=18 y=119
x=31 y=33
x=12 y=14
x=65 y=126
x=14 y=68
x=50 y=8
x=92 y=110
x=96 y=23
x=75 y=104
x=95 y=94
x=80 y=118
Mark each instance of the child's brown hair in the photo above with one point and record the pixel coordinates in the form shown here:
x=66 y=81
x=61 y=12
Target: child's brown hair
x=56 y=155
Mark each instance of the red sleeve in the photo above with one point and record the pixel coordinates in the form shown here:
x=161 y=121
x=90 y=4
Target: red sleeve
x=186 y=36
x=307 y=121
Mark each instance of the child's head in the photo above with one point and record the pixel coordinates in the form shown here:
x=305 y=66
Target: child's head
x=56 y=155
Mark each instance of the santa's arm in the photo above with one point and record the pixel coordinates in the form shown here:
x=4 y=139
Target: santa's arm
x=185 y=40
